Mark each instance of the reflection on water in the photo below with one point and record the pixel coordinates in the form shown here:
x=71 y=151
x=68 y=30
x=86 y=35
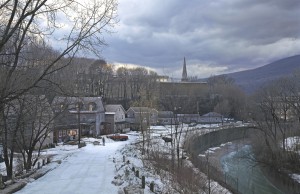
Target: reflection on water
x=241 y=173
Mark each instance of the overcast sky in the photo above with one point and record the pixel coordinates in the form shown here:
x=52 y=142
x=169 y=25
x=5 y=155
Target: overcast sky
x=215 y=36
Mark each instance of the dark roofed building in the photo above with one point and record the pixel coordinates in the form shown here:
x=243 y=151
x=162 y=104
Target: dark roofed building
x=74 y=112
x=165 y=118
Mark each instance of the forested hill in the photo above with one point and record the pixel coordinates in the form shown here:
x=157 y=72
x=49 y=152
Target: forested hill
x=250 y=80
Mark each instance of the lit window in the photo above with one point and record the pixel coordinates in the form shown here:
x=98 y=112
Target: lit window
x=92 y=106
x=79 y=105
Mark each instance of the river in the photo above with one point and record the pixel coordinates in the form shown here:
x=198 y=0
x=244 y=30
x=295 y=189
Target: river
x=243 y=173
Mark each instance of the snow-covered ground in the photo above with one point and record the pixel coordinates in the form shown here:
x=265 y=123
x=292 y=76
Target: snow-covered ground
x=293 y=144
x=106 y=169
x=90 y=169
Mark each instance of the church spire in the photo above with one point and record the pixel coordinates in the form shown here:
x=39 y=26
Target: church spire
x=184 y=73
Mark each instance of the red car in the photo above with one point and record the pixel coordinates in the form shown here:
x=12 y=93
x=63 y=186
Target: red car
x=118 y=137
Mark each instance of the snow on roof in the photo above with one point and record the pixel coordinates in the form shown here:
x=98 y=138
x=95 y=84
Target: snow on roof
x=158 y=128
x=142 y=109
x=113 y=107
x=110 y=113
x=212 y=114
x=165 y=114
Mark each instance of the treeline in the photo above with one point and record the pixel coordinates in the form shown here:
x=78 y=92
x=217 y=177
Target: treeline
x=89 y=77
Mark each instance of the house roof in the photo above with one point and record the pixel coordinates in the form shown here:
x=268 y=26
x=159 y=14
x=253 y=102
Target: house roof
x=110 y=113
x=212 y=114
x=113 y=107
x=30 y=101
x=142 y=109
x=139 y=109
x=72 y=101
x=165 y=114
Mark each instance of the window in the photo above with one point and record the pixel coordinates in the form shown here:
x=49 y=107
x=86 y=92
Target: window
x=79 y=105
x=92 y=106
x=62 y=107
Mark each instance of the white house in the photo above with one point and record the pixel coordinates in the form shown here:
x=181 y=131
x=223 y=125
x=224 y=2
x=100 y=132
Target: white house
x=141 y=115
x=115 y=117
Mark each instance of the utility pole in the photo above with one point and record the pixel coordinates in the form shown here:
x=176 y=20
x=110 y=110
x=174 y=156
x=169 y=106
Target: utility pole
x=79 y=126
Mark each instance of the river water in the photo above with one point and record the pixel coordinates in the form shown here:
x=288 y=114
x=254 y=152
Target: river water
x=242 y=173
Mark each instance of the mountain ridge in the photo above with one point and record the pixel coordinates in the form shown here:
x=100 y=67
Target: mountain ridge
x=251 y=80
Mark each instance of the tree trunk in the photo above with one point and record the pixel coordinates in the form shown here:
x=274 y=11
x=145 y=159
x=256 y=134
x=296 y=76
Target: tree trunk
x=28 y=163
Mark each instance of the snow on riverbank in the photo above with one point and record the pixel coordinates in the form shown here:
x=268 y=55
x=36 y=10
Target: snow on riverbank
x=293 y=144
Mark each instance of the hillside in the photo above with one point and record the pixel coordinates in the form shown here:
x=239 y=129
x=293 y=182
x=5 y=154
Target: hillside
x=250 y=80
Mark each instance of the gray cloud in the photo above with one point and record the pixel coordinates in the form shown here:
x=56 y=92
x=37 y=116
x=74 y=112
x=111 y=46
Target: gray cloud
x=224 y=35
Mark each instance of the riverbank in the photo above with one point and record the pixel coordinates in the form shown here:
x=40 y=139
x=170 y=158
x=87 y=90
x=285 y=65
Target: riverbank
x=214 y=155
x=232 y=165
x=212 y=158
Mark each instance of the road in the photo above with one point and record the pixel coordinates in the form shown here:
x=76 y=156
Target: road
x=91 y=170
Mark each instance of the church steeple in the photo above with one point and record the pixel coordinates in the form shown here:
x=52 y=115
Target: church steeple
x=184 y=73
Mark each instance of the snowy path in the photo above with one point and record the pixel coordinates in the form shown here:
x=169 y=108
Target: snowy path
x=90 y=170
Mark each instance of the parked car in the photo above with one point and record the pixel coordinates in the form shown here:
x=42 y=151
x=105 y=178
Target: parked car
x=118 y=137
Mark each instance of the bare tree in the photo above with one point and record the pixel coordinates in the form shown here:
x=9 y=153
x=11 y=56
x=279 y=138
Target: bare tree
x=27 y=30
x=178 y=135
x=135 y=86
x=226 y=97
x=122 y=85
x=37 y=23
x=275 y=118
x=37 y=124
x=10 y=125
x=29 y=123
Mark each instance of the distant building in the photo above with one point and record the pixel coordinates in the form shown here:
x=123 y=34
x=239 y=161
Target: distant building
x=166 y=118
x=211 y=117
x=74 y=112
x=183 y=95
x=137 y=116
x=115 y=118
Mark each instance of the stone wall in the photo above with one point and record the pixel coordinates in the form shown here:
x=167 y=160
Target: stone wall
x=198 y=144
